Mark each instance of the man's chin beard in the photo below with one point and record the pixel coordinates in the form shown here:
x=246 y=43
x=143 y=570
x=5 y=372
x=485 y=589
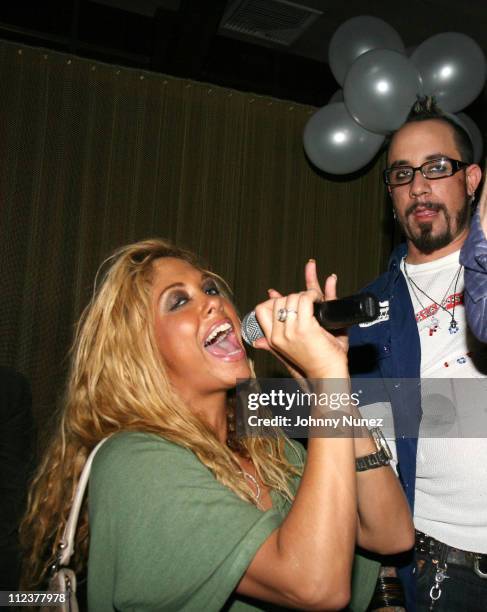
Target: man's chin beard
x=426 y=242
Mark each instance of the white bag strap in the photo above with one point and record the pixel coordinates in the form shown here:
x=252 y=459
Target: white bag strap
x=66 y=546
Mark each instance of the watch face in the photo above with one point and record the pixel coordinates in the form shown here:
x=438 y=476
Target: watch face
x=381 y=442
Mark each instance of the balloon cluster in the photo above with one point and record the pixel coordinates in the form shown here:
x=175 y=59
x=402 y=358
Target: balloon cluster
x=381 y=84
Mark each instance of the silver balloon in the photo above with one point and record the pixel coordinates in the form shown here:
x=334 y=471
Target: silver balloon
x=469 y=125
x=453 y=69
x=357 y=36
x=335 y=143
x=380 y=89
x=336 y=97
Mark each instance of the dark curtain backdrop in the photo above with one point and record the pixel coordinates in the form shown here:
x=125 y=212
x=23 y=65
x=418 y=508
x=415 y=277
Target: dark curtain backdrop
x=93 y=156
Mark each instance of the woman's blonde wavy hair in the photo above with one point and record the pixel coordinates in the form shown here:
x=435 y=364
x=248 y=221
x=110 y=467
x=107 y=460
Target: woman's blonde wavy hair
x=118 y=382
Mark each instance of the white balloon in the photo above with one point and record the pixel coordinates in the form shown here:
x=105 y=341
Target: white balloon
x=357 y=36
x=453 y=68
x=380 y=89
x=335 y=143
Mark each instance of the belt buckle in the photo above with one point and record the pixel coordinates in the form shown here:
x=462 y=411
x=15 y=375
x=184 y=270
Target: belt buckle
x=476 y=566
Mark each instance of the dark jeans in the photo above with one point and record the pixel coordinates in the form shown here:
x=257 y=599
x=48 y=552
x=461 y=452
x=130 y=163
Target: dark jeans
x=462 y=591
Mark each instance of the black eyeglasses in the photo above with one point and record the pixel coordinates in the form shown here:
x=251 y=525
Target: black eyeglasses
x=431 y=170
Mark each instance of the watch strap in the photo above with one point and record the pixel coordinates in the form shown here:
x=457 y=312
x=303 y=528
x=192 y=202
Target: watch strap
x=372 y=461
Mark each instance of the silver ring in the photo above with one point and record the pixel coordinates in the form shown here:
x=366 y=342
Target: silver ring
x=281 y=315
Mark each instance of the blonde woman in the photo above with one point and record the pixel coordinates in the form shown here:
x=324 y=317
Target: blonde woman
x=181 y=515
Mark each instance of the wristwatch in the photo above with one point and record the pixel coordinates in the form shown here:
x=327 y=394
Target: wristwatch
x=381 y=457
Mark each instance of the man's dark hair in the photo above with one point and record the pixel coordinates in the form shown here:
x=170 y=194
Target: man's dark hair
x=426 y=109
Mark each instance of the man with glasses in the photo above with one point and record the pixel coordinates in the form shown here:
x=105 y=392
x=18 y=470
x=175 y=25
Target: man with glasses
x=422 y=333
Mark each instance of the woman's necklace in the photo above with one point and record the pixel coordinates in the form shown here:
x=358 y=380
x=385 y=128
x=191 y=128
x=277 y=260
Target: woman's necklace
x=234 y=445
x=433 y=325
x=253 y=481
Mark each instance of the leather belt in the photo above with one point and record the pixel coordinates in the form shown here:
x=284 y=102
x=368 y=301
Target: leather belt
x=454 y=556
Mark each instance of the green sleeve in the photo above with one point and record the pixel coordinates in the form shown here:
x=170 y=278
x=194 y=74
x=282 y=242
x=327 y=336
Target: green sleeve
x=164 y=533
x=364 y=578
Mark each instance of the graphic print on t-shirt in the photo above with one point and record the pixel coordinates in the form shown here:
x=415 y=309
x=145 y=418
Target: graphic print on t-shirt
x=427 y=318
x=446 y=347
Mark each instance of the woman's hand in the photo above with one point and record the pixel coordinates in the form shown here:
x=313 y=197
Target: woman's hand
x=329 y=293
x=262 y=343
x=299 y=340
x=298 y=361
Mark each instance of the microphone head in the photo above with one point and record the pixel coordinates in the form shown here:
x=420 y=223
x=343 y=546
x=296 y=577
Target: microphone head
x=251 y=330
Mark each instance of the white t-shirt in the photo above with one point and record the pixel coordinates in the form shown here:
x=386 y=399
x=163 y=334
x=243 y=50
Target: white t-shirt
x=451 y=478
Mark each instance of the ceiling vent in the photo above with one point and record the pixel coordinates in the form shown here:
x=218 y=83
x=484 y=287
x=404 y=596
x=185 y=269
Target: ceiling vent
x=276 y=21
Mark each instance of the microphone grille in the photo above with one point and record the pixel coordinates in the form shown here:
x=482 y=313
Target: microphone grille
x=251 y=330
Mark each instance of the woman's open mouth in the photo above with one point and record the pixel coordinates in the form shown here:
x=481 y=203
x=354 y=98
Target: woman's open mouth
x=222 y=342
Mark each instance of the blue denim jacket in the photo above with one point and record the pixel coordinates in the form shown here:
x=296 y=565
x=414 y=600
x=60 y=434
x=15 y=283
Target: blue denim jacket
x=474 y=257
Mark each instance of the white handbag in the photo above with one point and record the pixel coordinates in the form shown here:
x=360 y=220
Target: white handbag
x=63 y=579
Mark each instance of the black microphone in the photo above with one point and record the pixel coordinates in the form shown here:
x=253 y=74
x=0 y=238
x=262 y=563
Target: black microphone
x=334 y=314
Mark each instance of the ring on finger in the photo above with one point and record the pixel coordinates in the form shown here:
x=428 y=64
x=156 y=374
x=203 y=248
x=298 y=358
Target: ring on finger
x=282 y=314
x=290 y=312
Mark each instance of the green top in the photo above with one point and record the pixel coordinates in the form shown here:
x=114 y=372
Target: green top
x=166 y=535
